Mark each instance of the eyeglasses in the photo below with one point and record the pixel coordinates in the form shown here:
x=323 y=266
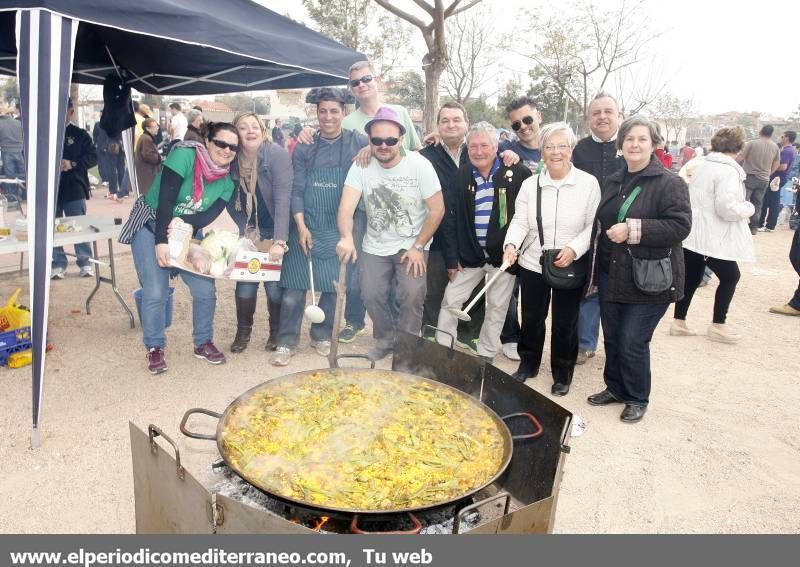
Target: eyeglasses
x=516 y=125
x=365 y=79
x=225 y=145
x=559 y=147
x=380 y=141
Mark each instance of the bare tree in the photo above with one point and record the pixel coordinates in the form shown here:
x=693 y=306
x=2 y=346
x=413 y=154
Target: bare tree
x=433 y=32
x=471 y=55
x=674 y=113
x=639 y=87
x=583 y=51
x=380 y=36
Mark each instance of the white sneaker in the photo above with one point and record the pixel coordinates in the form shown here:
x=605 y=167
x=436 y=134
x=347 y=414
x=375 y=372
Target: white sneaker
x=510 y=351
x=765 y=229
x=87 y=272
x=323 y=348
x=57 y=273
x=282 y=356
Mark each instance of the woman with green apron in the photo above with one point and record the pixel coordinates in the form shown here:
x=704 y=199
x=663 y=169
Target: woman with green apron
x=319 y=172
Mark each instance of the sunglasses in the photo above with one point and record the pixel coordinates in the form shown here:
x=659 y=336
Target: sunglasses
x=516 y=125
x=225 y=145
x=365 y=79
x=380 y=141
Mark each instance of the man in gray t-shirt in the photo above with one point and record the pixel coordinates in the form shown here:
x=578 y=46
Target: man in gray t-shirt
x=404 y=207
x=760 y=158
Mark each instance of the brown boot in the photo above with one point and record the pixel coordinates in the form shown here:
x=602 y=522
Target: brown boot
x=274 y=310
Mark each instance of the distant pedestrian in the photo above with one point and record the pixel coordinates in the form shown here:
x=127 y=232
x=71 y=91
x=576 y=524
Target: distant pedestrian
x=11 y=148
x=760 y=159
x=772 y=198
x=178 y=123
x=73 y=189
x=277 y=133
x=720 y=236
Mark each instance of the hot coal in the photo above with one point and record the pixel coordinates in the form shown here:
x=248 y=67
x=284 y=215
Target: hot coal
x=435 y=521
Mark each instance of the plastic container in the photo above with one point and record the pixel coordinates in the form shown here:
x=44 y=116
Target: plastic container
x=14 y=341
x=20 y=359
x=12 y=316
x=137 y=296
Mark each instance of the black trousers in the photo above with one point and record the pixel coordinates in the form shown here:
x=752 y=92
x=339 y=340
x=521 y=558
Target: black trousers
x=770 y=209
x=726 y=270
x=794 y=258
x=536 y=295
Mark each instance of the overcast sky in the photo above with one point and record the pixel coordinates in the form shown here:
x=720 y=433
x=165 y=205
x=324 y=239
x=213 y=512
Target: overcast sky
x=721 y=54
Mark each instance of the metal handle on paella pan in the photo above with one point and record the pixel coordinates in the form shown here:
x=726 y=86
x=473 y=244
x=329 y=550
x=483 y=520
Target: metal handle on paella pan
x=438 y=330
x=539 y=429
x=363 y=356
x=467 y=509
x=154 y=432
x=413 y=531
x=198 y=435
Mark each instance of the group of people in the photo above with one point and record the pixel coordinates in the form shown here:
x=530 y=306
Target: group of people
x=592 y=231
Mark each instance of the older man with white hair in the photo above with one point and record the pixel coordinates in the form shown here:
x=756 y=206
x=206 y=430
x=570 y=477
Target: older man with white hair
x=480 y=205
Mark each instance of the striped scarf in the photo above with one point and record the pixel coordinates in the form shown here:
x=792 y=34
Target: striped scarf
x=484 y=201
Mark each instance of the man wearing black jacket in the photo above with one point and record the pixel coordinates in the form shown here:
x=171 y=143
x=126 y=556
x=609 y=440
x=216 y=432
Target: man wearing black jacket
x=480 y=205
x=73 y=190
x=447 y=156
x=596 y=154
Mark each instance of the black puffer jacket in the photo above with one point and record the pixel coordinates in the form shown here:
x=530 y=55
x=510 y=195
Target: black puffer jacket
x=664 y=213
x=460 y=242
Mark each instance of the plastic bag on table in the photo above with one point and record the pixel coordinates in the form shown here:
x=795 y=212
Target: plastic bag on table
x=199 y=258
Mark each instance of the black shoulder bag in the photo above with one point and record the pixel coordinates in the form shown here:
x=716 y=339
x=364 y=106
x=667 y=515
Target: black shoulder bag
x=571 y=277
x=651 y=276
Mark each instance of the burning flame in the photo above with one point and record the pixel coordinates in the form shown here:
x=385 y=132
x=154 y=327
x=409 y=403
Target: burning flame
x=321 y=522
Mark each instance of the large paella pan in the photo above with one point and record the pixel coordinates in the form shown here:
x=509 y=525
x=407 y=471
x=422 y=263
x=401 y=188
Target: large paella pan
x=362 y=441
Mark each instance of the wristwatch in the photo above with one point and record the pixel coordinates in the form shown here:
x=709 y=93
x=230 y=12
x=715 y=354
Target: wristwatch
x=282 y=244
x=419 y=248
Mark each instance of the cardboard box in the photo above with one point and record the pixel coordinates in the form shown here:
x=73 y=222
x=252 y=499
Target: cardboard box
x=255 y=267
x=249 y=266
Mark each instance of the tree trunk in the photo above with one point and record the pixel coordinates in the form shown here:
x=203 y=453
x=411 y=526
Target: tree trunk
x=432 y=77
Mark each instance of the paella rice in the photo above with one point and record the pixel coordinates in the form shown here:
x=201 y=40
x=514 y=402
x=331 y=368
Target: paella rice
x=363 y=441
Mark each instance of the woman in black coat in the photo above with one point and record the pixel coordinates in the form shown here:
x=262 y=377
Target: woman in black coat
x=644 y=215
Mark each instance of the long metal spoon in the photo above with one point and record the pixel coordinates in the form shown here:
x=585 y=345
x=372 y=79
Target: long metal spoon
x=313 y=312
x=462 y=315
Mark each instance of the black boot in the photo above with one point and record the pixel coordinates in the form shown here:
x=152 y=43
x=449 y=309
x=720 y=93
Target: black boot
x=526 y=370
x=245 y=308
x=562 y=378
x=274 y=324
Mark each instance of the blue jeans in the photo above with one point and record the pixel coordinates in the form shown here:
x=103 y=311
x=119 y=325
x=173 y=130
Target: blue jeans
x=14 y=167
x=589 y=323
x=293 y=304
x=83 y=250
x=155 y=287
x=354 y=309
x=627 y=330
x=117 y=174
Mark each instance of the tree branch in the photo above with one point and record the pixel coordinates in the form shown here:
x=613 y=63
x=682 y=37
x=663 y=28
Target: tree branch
x=450 y=11
x=403 y=15
x=425 y=6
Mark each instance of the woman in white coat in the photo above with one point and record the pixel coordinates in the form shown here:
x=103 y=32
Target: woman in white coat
x=720 y=235
x=569 y=199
